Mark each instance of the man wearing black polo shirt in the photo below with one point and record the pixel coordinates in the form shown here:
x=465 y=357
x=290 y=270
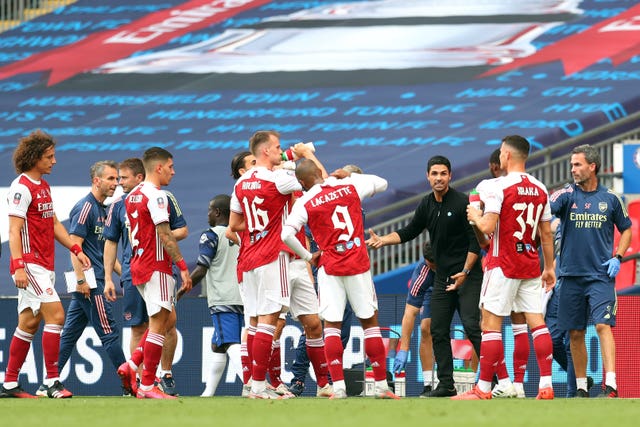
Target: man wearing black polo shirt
x=443 y=212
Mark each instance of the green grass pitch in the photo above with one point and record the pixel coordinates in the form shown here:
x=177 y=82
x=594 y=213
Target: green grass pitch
x=310 y=412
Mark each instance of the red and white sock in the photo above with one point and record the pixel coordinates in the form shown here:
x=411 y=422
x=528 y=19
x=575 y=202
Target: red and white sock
x=375 y=351
x=152 y=353
x=246 y=363
x=543 y=347
x=491 y=353
x=51 y=350
x=251 y=334
x=520 y=352
x=275 y=364
x=501 y=371
x=333 y=353
x=262 y=350
x=315 y=351
x=18 y=350
x=138 y=354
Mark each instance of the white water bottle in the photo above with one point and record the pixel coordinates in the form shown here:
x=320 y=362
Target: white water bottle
x=288 y=154
x=400 y=384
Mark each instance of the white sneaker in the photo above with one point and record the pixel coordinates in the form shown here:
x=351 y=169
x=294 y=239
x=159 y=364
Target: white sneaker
x=325 y=391
x=206 y=393
x=265 y=394
x=42 y=391
x=283 y=391
x=246 y=389
x=385 y=393
x=504 y=391
x=519 y=390
x=339 y=393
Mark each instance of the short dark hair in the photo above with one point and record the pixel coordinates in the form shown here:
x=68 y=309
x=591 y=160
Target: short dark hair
x=259 y=138
x=495 y=157
x=134 y=164
x=518 y=143
x=591 y=155
x=237 y=163
x=154 y=154
x=30 y=149
x=222 y=202
x=438 y=160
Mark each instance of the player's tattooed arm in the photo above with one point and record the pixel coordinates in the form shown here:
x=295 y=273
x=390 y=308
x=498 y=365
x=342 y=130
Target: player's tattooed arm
x=169 y=242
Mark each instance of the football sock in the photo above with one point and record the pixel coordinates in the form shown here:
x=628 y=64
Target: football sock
x=246 y=363
x=430 y=376
x=315 y=351
x=491 y=353
x=18 y=350
x=275 y=364
x=262 y=351
x=543 y=347
x=138 y=355
x=51 y=349
x=333 y=353
x=233 y=353
x=218 y=363
x=610 y=380
x=520 y=352
x=152 y=353
x=375 y=351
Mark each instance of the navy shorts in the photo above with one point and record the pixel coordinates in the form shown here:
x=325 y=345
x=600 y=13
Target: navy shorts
x=421 y=300
x=584 y=297
x=227 y=328
x=134 y=310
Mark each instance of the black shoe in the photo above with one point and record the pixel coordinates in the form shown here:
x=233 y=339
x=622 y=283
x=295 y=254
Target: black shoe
x=296 y=387
x=609 y=392
x=168 y=385
x=426 y=391
x=16 y=392
x=57 y=391
x=442 y=391
x=582 y=393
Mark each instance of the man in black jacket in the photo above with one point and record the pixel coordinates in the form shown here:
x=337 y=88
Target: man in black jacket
x=443 y=212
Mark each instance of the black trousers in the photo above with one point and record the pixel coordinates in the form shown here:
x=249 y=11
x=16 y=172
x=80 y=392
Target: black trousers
x=443 y=306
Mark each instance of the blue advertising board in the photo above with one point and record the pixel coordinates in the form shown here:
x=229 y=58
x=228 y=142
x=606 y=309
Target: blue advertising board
x=89 y=371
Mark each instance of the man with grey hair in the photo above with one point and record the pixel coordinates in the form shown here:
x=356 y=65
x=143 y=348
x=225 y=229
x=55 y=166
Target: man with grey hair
x=88 y=303
x=588 y=212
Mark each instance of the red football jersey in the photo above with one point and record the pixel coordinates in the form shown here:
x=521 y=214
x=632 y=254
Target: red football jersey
x=147 y=206
x=31 y=200
x=522 y=202
x=262 y=196
x=333 y=211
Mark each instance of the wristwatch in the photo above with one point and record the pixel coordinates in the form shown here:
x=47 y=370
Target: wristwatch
x=619 y=257
x=80 y=282
x=466 y=271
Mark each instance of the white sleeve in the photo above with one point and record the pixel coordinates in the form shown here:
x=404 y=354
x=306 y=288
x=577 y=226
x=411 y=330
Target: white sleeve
x=19 y=199
x=492 y=195
x=286 y=181
x=298 y=217
x=288 y=236
x=158 y=206
x=235 y=203
x=368 y=185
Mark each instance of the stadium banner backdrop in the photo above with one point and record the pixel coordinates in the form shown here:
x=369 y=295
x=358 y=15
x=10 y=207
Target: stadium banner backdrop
x=379 y=83
x=89 y=371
